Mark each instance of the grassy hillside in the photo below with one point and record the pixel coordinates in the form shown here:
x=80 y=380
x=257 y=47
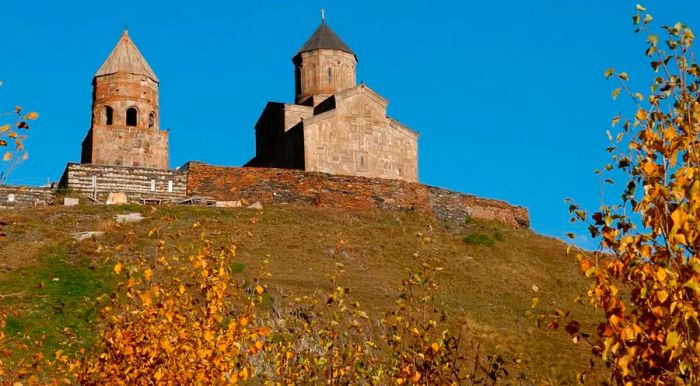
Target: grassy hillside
x=54 y=285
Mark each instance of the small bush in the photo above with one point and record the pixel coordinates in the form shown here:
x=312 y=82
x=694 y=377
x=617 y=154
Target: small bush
x=237 y=267
x=479 y=239
x=499 y=236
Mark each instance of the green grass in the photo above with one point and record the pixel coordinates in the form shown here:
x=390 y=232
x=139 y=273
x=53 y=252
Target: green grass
x=237 y=267
x=57 y=299
x=479 y=239
x=487 y=280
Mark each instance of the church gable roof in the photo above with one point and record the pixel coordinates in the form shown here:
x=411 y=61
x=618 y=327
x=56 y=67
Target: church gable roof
x=324 y=38
x=364 y=90
x=126 y=58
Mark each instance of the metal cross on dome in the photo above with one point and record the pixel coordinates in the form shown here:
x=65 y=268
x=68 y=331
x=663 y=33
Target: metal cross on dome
x=323 y=14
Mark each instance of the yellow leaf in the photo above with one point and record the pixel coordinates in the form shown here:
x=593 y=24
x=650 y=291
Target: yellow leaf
x=259 y=290
x=641 y=114
x=661 y=274
x=692 y=285
x=615 y=93
x=31 y=116
x=147 y=274
x=670 y=133
x=672 y=341
x=4 y=128
x=662 y=295
x=118 y=268
x=145 y=298
x=649 y=168
x=243 y=374
x=435 y=347
x=7 y=156
x=416 y=377
x=208 y=336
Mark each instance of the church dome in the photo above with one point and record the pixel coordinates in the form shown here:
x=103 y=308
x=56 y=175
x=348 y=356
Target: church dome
x=324 y=38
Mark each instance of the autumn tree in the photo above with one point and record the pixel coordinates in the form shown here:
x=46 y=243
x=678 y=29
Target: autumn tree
x=177 y=319
x=646 y=274
x=13 y=128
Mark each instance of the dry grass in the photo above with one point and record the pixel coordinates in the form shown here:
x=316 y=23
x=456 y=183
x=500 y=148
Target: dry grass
x=491 y=286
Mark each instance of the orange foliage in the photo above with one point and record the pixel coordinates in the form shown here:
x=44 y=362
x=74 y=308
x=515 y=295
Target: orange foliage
x=194 y=327
x=12 y=140
x=192 y=323
x=646 y=276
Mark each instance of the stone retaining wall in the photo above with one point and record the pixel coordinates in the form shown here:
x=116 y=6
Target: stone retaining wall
x=283 y=186
x=269 y=186
x=25 y=195
x=136 y=183
x=458 y=207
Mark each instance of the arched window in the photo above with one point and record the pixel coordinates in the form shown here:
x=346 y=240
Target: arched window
x=108 y=115
x=131 y=116
x=330 y=76
x=151 y=120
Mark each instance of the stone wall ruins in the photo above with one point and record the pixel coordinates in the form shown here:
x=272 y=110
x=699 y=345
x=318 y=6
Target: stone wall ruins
x=283 y=186
x=270 y=186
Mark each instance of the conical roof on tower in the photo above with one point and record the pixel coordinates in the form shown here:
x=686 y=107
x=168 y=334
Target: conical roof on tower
x=126 y=58
x=324 y=38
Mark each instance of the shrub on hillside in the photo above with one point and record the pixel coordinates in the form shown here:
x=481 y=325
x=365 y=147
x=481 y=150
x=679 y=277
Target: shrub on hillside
x=479 y=239
x=185 y=319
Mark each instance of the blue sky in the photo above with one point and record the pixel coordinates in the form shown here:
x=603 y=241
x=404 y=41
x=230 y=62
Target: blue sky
x=509 y=97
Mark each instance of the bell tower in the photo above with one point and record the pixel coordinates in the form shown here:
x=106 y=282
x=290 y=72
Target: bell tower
x=125 y=127
x=323 y=66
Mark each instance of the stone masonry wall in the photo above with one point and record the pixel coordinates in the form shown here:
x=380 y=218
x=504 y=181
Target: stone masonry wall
x=25 y=195
x=136 y=183
x=283 y=186
x=129 y=146
x=458 y=207
x=312 y=74
x=358 y=139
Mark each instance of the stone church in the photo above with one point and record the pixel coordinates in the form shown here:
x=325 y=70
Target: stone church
x=359 y=157
x=334 y=125
x=125 y=128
